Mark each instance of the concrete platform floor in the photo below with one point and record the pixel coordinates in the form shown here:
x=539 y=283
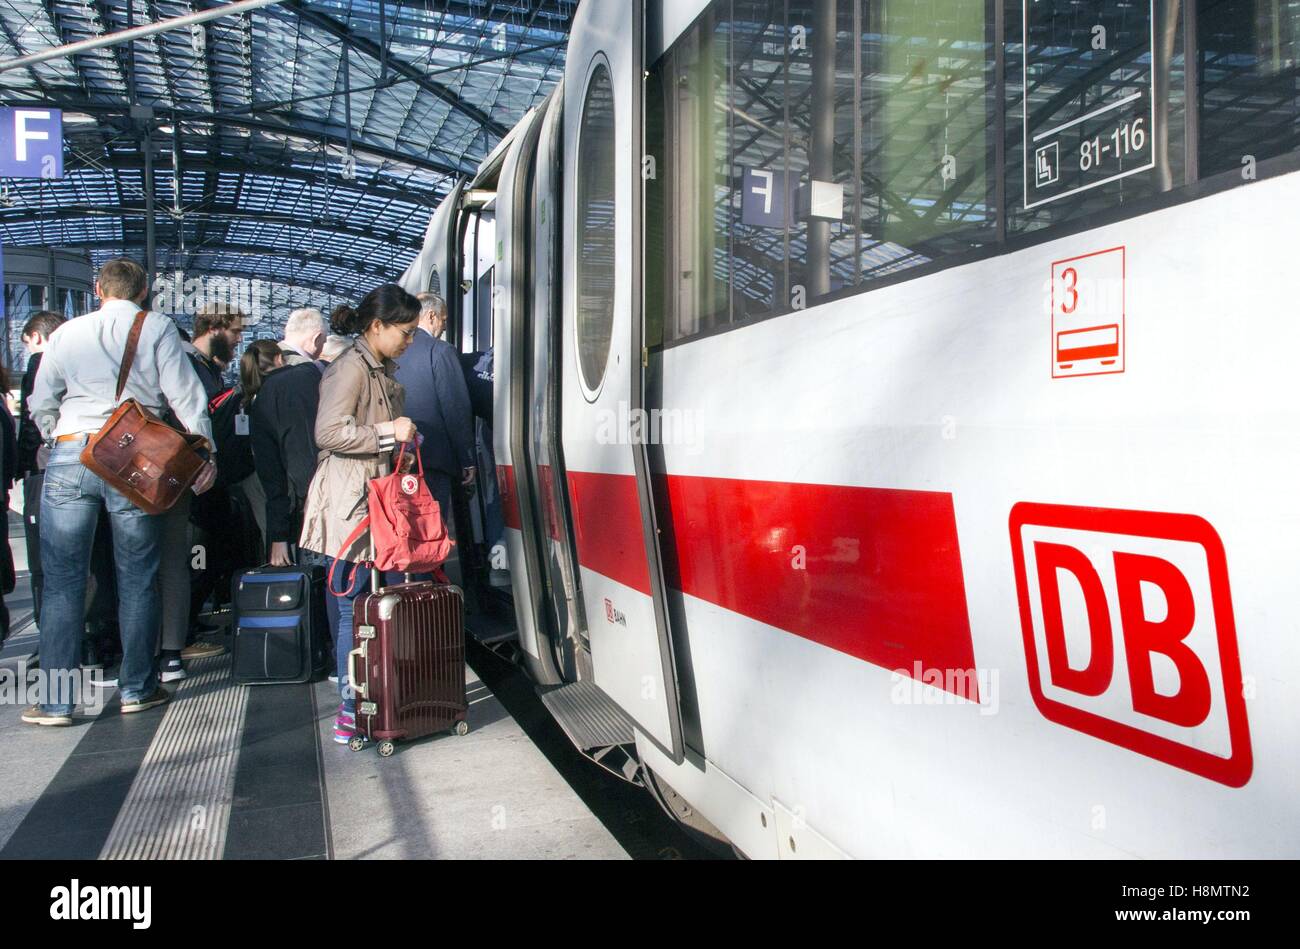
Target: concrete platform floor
x=230 y=772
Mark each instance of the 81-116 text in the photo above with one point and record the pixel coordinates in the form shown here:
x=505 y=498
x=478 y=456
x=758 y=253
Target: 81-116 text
x=1124 y=139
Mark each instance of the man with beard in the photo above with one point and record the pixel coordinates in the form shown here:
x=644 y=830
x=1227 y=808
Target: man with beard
x=217 y=330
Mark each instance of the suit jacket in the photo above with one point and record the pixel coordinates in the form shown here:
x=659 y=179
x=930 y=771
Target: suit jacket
x=438 y=403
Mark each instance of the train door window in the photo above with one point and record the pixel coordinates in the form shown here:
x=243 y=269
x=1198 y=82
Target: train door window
x=1248 y=58
x=596 y=230
x=1094 y=103
x=483 y=317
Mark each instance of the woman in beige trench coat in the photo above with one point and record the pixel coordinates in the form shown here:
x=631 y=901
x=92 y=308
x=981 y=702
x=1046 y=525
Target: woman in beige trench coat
x=358 y=425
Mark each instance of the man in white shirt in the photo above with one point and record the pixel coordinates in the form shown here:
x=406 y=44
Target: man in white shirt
x=73 y=398
x=304 y=336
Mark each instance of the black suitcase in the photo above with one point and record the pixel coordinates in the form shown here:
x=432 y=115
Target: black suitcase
x=279 y=625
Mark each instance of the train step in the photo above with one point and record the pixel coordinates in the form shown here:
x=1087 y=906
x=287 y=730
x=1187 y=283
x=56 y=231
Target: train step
x=588 y=716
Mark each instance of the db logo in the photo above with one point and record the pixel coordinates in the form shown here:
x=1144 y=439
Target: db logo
x=1129 y=635
x=613 y=615
x=409 y=484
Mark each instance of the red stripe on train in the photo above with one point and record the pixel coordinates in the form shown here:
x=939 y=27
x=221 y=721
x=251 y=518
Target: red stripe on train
x=509 y=500
x=607 y=527
x=872 y=572
x=546 y=486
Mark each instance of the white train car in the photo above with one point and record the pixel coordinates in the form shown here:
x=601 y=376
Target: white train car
x=896 y=420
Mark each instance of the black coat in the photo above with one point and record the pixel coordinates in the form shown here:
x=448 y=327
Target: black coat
x=282 y=430
x=209 y=374
x=29 y=436
x=478 y=379
x=234 y=451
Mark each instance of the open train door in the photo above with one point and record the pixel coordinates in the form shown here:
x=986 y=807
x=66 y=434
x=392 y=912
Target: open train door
x=607 y=471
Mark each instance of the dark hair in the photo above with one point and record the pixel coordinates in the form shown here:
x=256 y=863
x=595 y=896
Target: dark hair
x=121 y=278
x=216 y=316
x=389 y=304
x=258 y=359
x=45 y=322
x=339 y=317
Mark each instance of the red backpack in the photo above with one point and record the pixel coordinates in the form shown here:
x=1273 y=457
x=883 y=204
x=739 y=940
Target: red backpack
x=405 y=524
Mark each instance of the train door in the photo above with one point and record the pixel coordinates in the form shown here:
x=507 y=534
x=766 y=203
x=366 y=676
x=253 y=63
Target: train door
x=512 y=317
x=609 y=489
x=462 y=267
x=559 y=560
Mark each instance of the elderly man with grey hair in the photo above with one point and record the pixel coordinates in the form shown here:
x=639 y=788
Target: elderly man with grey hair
x=434 y=309
x=304 y=336
x=438 y=402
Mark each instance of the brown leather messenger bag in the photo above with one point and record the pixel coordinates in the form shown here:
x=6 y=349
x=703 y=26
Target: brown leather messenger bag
x=138 y=454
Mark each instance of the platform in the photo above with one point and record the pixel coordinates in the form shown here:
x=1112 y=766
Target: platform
x=231 y=772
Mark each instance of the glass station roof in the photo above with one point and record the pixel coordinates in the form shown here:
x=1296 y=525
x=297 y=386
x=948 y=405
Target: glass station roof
x=302 y=143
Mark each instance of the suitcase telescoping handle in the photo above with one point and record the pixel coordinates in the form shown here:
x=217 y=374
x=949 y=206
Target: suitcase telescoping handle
x=377 y=579
x=362 y=651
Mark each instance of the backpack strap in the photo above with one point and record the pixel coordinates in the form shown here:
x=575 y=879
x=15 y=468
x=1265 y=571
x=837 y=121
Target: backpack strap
x=128 y=356
x=219 y=400
x=352 y=577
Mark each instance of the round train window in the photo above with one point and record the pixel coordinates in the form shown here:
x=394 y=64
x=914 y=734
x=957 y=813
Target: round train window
x=595 y=219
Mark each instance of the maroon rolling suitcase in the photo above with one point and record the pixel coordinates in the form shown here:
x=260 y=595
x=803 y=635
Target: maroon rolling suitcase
x=408 y=664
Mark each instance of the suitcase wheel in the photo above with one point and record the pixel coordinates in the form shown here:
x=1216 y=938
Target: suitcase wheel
x=386 y=749
x=462 y=728
x=356 y=743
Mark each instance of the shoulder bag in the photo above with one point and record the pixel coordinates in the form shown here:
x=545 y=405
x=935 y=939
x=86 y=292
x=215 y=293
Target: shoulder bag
x=137 y=453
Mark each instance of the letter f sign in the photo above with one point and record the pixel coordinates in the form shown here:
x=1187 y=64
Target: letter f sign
x=766 y=191
x=1129 y=633
x=23 y=135
x=31 y=143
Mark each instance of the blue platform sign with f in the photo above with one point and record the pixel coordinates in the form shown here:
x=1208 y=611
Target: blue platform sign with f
x=31 y=143
x=767 y=194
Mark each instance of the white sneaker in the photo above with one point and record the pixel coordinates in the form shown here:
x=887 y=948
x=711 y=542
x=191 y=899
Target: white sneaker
x=172 y=671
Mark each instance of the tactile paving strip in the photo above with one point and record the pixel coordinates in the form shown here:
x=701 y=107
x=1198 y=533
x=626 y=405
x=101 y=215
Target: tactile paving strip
x=178 y=808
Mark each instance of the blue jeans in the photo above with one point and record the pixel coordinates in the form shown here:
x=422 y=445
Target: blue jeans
x=340 y=609
x=70 y=502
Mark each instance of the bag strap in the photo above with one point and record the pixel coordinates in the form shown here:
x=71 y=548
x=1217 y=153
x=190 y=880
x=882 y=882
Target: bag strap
x=361 y=529
x=401 y=455
x=128 y=357
x=352 y=577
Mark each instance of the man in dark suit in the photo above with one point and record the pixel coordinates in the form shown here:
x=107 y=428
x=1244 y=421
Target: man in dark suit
x=438 y=402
